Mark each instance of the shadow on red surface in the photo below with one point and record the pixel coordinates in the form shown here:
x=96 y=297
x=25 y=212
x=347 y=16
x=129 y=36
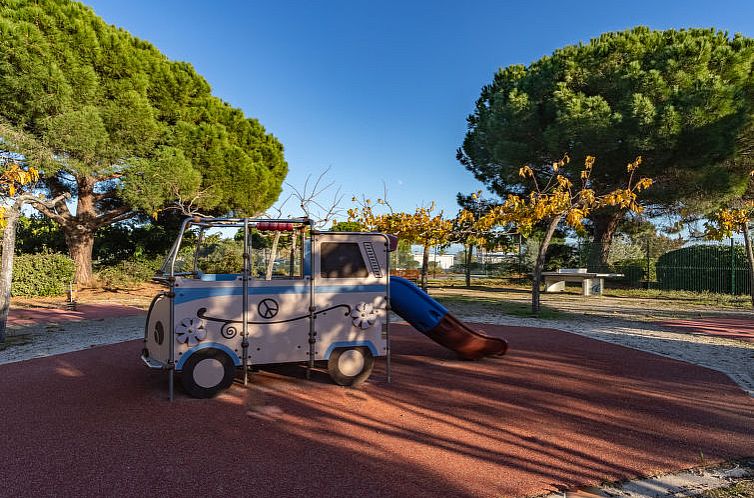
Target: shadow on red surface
x=33 y=316
x=559 y=411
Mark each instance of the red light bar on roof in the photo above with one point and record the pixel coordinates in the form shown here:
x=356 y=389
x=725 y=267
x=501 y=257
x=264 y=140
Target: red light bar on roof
x=275 y=226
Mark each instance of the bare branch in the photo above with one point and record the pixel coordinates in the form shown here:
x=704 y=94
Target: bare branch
x=190 y=206
x=309 y=200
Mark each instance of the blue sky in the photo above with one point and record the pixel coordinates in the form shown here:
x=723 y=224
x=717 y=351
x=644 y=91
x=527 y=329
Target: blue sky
x=379 y=91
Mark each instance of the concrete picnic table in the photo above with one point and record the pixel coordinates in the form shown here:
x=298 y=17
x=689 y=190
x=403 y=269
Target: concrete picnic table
x=591 y=283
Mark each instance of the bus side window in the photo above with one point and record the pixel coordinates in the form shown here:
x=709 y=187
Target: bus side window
x=342 y=260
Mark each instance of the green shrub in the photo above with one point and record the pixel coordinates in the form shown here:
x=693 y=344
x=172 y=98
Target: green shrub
x=635 y=270
x=42 y=274
x=127 y=274
x=701 y=268
x=561 y=256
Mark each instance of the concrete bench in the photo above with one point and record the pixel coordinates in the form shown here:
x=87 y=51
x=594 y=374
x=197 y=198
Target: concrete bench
x=591 y=283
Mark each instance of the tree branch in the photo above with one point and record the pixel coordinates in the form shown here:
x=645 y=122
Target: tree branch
x=48 y=207
x=103 y=195
x=109 y=176
x=119 y=214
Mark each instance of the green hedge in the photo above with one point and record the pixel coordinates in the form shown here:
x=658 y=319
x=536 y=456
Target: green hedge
x=42 y=274
x=127 y=274
x=703 y=268
x=635 y=271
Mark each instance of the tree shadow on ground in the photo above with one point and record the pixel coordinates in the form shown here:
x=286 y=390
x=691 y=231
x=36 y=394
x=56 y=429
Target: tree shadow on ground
x=559 y=411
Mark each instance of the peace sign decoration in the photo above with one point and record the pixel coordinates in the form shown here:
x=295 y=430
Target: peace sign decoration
x=268 y=308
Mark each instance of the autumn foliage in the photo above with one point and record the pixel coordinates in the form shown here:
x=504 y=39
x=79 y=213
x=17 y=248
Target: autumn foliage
x=561 y=199
x=734 y=219
x=424 y=226
x=12 y=180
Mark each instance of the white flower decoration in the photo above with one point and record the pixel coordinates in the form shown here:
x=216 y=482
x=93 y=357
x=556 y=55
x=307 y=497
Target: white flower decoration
x=364 y=315
x=191 y=331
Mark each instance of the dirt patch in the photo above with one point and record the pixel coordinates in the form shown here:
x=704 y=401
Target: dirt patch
x=139 y=297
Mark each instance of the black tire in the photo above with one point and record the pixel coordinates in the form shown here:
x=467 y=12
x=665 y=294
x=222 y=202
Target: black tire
x=350 y=366
x=207 y=373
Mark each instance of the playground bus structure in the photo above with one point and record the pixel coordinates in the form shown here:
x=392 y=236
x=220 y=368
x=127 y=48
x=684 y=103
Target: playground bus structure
x=232 y=304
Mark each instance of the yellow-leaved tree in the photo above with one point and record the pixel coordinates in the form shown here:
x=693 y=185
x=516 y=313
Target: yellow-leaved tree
x=558 y=201
x=424 y=227
x=471 y=229
x=16 y=184
x=734 y=219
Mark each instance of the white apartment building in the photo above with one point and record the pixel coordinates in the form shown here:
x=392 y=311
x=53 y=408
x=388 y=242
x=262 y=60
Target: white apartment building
x=445 y=261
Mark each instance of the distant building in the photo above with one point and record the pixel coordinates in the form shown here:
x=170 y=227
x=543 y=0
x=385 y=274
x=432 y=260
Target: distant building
x=484 y=257
x=445 y=261
x=495 y=257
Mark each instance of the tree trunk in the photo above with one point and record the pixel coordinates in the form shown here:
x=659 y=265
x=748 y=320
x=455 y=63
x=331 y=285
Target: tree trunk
x=750 y=257
x=273 y=254
x=80 y=245
x=467 y=269
x=79 y=231
x=425 y=266
x=434 y=266
x=6 y=265
x=93 y=210
x=540 y=263
x=605 y=225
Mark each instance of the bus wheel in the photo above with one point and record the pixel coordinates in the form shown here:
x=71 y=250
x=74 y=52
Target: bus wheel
x=207 y=372
x=350 y=366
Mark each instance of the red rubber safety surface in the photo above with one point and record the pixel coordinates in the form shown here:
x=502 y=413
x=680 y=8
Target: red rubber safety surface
x=33 y=316
x=731 y=328
x=559 y=410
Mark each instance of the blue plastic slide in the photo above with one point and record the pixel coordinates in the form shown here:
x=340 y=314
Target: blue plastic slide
x=435 y=321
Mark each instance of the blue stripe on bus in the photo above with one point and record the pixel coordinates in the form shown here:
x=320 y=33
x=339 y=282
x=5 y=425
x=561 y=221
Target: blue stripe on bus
x=184 y=295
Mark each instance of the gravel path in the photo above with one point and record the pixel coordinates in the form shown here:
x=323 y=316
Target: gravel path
x=734 y=358
x=49 y=339
x=731 y=357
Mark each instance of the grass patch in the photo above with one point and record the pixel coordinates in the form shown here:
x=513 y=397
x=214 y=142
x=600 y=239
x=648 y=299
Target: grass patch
x=740 y=489
x=491 y=305
x=682 y=297
x=679 y=298
x=14 y=340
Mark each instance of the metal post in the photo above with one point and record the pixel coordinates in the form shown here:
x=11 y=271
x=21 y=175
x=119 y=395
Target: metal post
x=387 y=316
x=732 y=268
x=312 y=305
x=245 y=302
x=171 y=355
x=171 y=295
x=649 y=263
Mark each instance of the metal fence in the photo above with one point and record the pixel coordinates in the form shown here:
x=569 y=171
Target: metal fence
x=719 y=267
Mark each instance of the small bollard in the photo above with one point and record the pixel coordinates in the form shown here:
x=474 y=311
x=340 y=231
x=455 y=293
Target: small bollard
x=70 y=305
